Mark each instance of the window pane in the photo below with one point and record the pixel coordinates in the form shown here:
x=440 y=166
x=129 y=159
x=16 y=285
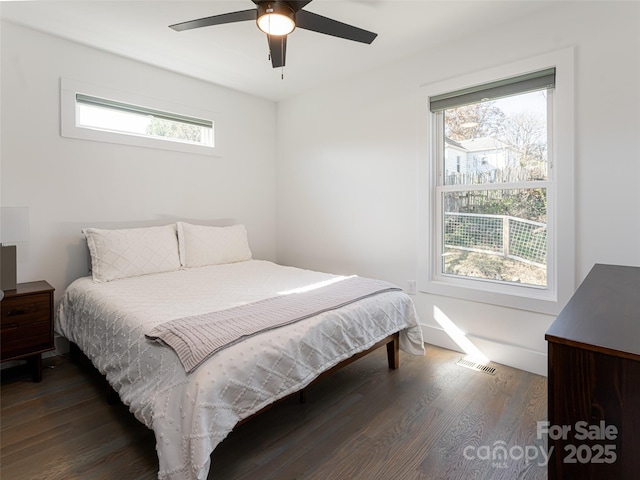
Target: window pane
x=133 y=123
x=496 y=235
x=498 y=141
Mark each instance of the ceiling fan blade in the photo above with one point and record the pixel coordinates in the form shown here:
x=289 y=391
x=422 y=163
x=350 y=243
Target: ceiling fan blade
x=232 y=17
x=297 y=5
x=277 y=49
x=328 y=26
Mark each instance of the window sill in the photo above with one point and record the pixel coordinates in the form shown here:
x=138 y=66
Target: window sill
x=529 y=298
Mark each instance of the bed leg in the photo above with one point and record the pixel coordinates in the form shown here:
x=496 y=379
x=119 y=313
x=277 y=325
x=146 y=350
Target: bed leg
x=112 y=395
x=75 y=354
x=303 y=395
x=393 y=352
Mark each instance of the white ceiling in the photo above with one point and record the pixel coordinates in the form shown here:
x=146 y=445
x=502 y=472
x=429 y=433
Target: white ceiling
x=235 y=55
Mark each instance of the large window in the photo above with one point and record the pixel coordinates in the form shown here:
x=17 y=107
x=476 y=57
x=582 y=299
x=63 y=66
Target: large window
x=493 y=180
x=492 y=205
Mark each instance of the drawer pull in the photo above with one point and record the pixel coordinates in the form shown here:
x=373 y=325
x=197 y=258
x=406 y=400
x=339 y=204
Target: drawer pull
x=24 y=310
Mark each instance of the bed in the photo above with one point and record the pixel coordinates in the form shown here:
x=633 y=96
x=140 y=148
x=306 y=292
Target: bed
x=111 y=315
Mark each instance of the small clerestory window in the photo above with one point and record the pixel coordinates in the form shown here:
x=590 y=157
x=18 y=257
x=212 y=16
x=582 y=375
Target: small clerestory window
x=92 y=112
x=112 y=116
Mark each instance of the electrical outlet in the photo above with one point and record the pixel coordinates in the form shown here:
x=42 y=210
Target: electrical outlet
x=411 y=287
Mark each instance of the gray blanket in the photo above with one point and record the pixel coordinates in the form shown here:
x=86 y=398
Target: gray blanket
x=196 y=338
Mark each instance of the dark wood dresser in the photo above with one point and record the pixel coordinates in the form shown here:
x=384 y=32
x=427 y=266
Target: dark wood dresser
x=594 y=379
x=26 y=320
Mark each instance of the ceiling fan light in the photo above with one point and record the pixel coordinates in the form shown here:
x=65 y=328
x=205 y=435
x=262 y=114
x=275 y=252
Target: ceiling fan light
x=275 y=18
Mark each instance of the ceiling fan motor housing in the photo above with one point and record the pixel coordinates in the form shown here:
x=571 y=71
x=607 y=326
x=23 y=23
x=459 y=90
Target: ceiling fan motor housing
x=276 y=18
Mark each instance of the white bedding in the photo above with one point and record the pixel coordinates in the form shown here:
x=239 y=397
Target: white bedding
x=191 y=414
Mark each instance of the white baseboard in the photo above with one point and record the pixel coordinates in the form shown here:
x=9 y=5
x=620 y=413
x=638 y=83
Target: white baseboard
x=498 y=352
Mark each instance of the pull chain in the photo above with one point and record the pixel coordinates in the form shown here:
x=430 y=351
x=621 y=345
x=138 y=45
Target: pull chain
x=282 y=53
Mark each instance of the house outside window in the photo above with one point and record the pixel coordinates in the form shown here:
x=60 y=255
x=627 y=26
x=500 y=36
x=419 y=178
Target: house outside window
x=492 y=204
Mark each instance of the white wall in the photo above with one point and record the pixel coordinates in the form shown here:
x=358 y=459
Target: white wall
x=344 y=184
x=69 y=184
x=347 y=197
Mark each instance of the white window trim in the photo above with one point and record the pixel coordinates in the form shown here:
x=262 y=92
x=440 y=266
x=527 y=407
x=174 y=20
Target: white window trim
x=561 y=220
x=69 y=128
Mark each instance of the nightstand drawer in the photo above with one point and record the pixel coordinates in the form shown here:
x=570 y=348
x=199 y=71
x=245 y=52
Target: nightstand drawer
x=25 y=310
x=22 y=338
x=26 y=324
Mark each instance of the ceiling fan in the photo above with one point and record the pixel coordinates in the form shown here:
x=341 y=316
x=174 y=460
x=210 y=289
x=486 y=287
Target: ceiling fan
x=277 y=19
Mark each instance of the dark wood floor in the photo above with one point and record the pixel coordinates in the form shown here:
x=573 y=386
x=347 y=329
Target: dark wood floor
x=364 y=422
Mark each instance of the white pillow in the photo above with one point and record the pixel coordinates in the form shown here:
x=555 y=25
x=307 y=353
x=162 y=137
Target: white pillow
x=132 y=252
x=201 y=245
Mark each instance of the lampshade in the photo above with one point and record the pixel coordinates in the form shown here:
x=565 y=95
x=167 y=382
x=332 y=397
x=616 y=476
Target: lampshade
x=14 y=225
x=276 y=18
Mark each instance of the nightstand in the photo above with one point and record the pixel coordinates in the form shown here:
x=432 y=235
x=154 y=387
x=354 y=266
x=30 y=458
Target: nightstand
x=26 y=321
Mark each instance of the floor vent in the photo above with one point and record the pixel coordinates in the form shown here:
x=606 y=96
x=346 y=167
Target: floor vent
x=479 y=367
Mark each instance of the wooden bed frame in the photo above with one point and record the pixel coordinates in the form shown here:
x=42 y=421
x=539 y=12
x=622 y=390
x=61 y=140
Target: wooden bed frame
x=392 y=343
x=393 y=359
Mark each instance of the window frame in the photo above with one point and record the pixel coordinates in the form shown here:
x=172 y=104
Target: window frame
x=560 y=191
x=70 y=90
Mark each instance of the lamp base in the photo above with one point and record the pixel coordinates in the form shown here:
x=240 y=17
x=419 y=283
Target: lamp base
x=8 y=270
